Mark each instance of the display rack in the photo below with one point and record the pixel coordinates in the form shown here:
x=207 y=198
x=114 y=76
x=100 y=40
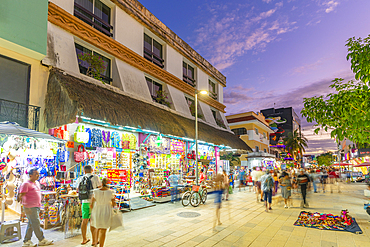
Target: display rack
x=121 y=190
x=72 y=218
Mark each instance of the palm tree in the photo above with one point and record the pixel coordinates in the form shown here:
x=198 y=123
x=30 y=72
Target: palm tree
x=296 y=143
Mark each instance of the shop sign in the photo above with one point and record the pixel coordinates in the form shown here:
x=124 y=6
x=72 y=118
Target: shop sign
x=205 y=152
x=177 y=147
x=162 y=147
x=363 y=152
x=70 y=144
x=117 y=175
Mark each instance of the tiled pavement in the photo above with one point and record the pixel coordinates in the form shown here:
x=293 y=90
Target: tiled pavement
x=244 y=223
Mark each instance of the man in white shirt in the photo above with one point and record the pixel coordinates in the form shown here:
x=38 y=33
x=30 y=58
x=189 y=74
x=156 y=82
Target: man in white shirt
x=96 y=183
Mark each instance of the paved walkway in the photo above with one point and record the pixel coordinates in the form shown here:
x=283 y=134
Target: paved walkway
x=244 y=223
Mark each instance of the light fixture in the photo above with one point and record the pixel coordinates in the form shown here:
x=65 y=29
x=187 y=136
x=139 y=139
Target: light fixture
x=203 y=92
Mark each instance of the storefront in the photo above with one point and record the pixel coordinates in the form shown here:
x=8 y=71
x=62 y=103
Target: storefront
x=27 y=149
x=141 y=141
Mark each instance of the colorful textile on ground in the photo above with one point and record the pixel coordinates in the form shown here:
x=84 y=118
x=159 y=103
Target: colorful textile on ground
x=343 y=222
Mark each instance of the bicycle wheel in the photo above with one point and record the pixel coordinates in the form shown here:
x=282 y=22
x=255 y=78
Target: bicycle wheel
x=195 y=199
x=185 y=199
x=204 y=196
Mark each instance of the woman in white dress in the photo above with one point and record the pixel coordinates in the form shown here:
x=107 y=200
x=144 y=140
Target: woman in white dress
x=103 y=200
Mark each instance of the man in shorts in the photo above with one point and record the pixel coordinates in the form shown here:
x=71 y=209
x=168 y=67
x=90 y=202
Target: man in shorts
x=96 y=183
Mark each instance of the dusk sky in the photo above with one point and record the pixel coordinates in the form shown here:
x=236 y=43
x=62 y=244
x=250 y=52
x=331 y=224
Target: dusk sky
x=271 y=51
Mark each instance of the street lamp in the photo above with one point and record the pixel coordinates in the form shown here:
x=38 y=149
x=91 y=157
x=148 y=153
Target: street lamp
x=196 y=133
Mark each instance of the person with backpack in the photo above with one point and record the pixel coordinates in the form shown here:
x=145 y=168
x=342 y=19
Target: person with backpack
x=85 y=185
x=303 y=180
x=267 y=184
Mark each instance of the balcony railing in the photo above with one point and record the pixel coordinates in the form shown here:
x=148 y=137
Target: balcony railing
x=27 y=116
x=152 y=57
x=189 y=80
x=93 y=20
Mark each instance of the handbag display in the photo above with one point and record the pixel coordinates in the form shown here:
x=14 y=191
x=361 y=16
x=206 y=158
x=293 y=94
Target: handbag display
x=61 y=133
x=63 y=155
x=116 y=219
x=80 y=135
x=81 y=154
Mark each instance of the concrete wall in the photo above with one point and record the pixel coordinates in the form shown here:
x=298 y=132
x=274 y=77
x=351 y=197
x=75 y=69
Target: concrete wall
x=61 y=51
x=67 y=5
x=128 y=31
x=38 y=81
x=220 y=92
x=173 y=62
x=132 y=80
x=206 y=110
x=179 y=101
x=202 y=80
x=23 y=26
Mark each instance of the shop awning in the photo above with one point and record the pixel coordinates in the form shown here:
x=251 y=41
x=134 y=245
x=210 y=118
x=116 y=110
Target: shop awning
x=363 y=164
x=68 y=96
x=10 y=128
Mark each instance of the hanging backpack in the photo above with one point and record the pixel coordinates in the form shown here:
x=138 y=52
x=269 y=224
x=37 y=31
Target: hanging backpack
x=84 y=188
x=269 y=183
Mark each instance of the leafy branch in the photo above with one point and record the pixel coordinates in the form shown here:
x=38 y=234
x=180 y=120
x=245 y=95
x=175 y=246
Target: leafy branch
x=96 y=67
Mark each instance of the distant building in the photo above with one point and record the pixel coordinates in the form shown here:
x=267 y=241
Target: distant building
x=254 y=130
x=283 y=121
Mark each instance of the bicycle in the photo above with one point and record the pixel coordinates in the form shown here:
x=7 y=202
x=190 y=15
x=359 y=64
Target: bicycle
x=196 y=196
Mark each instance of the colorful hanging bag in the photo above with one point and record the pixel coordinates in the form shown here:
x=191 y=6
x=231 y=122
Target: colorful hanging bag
x=88 y=144
x=63 y=155
x=96 y=138
x=81 y=154
x=81 y=136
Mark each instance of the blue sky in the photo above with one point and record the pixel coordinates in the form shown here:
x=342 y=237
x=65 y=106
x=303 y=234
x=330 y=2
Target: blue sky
x=271 y=51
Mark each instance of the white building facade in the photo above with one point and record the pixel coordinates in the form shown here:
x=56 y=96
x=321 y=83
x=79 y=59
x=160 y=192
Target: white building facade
x=141 y=56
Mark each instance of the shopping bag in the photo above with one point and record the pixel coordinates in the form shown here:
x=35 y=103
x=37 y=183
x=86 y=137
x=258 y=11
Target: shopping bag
x=63 y=155
x=230 y=189
x=116 y=219
x=81 y=154
x=80 y=135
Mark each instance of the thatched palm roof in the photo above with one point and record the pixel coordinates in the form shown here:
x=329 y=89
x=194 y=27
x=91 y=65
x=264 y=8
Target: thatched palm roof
x=68 y=96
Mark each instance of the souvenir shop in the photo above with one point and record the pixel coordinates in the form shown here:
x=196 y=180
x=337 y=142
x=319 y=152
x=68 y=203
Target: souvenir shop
x=19 y=154
x=137 y=162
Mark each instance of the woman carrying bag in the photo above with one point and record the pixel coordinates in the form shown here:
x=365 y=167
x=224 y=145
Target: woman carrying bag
x=103 y=200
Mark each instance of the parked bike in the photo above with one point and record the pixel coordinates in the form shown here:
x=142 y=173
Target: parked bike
x=197 y=195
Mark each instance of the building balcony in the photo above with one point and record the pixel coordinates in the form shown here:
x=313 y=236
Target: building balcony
x=93 y=20
x=253 y=136
x=27 y=116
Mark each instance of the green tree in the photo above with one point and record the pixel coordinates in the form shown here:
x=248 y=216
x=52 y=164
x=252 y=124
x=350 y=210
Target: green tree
x=325 y=159
x=345 y=112
x=96 y=65
x=234 y=160
x=296 y=143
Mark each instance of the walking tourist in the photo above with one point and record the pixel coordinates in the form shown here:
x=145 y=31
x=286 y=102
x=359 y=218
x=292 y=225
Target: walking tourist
x=102 y=202
x=324 y=179
x=254 y=180
x=303 y=181
x=286 y=189
x=315 y=179
x=219 y=186
x=267 y=184
x=275 y=177
x=30 y=197
x=226 y=185
x=241 y=179
x=85 y=185
x=202 y=177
